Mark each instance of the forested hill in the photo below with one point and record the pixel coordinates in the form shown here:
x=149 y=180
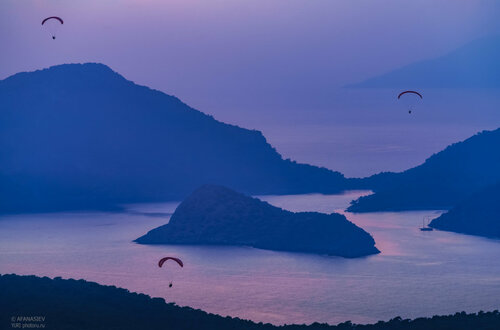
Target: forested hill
x=477 y=215
x=442 y=181
x=217 y=215
x=82 y=136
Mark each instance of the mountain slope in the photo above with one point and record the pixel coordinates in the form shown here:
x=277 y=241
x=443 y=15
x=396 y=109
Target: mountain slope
x=477 y=215
x=474 y=65
x=82 y=136
x=221 y=216
x=440 y=182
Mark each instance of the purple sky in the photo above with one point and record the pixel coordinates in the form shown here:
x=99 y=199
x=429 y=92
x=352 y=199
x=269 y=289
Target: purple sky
x=273 y=65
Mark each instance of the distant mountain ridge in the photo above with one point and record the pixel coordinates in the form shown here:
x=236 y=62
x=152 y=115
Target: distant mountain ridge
x=79 y=136
x=442 y=181
x=217 y=215
x=474 y=65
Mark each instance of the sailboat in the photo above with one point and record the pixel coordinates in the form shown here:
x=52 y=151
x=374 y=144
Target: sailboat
x=425 y=227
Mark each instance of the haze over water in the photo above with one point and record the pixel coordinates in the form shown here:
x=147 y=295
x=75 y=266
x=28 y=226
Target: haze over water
x=417 y=273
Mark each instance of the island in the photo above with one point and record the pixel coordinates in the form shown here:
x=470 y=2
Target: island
x=42 y=302
x=217 y=215
x=477 y=215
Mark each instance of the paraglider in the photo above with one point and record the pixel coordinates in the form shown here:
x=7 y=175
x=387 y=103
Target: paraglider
x=410 y=92
x=411 y=101
x=52 y=23
x=177 y=260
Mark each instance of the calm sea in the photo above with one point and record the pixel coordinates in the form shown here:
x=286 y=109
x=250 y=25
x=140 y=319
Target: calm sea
x=417 y=273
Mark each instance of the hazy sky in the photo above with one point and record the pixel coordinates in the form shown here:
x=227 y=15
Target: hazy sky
x=265 y=64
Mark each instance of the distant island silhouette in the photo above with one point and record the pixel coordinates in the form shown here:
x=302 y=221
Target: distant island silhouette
x=441 y=182
x=81 y=136
x=218 y=215
x=448 y=71
x=81 y=305
x=477 y=215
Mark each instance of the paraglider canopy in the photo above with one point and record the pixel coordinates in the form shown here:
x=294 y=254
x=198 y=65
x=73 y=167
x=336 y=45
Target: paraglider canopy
x=163 y=260
x=52 y=23
x=410 y=102
x=410 y=92
x=53 y=17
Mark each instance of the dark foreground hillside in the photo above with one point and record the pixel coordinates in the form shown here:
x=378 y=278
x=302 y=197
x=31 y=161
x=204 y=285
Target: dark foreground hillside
x=82 y=305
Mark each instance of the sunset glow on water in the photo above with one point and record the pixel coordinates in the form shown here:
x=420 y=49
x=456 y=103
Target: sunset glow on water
x=417 y=273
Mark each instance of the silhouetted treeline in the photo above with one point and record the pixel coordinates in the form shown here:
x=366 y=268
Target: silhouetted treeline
x=78 y=304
